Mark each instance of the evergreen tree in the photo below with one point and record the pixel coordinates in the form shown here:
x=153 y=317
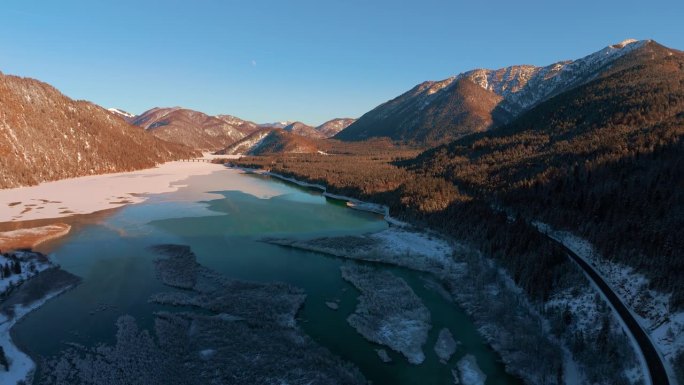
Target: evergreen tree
x=16 y=267
x=3 y=359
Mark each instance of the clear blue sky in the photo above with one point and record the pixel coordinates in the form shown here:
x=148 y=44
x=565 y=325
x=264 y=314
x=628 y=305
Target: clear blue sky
x=308 y=60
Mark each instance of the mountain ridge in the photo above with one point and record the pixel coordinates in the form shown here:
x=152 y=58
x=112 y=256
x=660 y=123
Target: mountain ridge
x=411 y=116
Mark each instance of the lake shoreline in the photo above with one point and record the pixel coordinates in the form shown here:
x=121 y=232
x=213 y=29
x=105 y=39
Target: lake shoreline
x=360 y=206
x=352 y=203
x=30 y=296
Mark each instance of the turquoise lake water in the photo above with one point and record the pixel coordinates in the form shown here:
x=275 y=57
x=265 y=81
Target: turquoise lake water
x=223 y=229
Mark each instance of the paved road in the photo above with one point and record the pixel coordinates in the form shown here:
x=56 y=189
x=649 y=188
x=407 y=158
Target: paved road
x=653 y=361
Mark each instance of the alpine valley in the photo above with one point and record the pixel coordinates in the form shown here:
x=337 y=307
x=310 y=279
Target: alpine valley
x=520 y=225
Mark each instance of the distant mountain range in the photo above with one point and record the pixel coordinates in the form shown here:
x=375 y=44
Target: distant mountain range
x=270 y=141
x=436 y=112
x=46 y=136
x=333 y=127
x=302 y=129
x=193 y=128
x=325 y=130
x=213 y=133
x=275 y=124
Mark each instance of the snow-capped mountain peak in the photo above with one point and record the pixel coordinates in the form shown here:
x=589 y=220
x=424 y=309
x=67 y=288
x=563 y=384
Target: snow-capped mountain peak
x=480 y=99
x=120 y=112
x=282 y=124
x=624 y=43
x=523 y=86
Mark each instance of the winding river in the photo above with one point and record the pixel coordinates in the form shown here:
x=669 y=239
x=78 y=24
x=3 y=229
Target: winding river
x=221 y=217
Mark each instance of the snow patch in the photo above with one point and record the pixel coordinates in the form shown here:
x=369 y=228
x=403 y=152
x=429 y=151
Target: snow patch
x=120 y=112
x=624 y=43
x=398 y=241
x=30 y=267
x=469 y=372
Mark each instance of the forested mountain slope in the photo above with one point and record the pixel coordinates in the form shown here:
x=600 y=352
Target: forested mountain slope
x=46 y=136
x=437 y=112
x=432 y=112
x=271 y=141
x=604 y=160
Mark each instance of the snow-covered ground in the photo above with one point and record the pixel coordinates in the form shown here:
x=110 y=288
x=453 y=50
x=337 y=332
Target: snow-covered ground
x=445 y=346
x=400 y=241
x=469 y=372
x=388 y=311
x=587 y=319
x=399 y=246
x=30 y=264
x=649 y=307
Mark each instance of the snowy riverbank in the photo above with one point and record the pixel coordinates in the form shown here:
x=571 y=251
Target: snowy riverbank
x=649 y=307
x=26 y=298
